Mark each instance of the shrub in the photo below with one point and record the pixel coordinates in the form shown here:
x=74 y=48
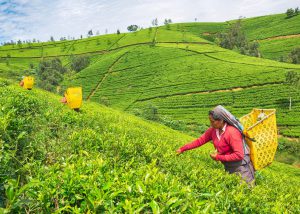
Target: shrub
x=78 y=63
x=50 y=74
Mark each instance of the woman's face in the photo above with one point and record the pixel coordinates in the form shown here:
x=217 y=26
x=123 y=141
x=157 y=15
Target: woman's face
x=217 y=124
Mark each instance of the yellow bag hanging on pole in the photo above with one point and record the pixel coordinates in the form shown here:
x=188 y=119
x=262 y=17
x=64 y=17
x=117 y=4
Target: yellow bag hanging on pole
x=28 y=82
x=260 y=125
x=74 y=97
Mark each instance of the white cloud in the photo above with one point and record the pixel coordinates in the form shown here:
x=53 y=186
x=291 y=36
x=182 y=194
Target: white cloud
x=28 y=19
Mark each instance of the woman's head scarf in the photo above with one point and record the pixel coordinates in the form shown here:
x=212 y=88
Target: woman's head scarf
x=220 y=112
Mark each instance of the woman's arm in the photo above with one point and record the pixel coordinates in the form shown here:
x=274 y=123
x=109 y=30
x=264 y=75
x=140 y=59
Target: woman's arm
x=206 y=137
x=236 y=143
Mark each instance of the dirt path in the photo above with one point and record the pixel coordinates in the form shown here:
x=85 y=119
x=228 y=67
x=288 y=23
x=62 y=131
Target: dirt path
x=281 y=37
x=294 y=139
x=265 y=39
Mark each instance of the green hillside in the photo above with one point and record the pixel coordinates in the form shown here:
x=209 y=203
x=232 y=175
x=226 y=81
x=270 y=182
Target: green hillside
x=56 y=160
x=175 y=72
x=184 y=81
x=267 y=30
x=14 y=59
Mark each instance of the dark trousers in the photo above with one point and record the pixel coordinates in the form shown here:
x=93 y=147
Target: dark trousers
x=244 y=168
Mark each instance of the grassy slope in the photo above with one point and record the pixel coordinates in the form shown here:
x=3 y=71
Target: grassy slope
x=257 y=28
x=277 y=48
x=272 y=26
x=130 y=74
x=102 y=159
x=177 y=78
x=14 y=59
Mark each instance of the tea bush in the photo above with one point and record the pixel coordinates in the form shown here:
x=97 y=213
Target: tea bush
x=103 y=160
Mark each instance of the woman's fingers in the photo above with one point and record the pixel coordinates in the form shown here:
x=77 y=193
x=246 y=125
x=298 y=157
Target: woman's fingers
x=213 y=156
x=178 y=151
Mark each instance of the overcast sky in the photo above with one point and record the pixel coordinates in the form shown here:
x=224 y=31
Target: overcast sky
x=28 y=19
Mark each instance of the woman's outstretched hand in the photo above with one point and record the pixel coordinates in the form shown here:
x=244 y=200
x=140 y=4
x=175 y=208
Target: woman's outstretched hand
x=214 y=156
x=179 y=151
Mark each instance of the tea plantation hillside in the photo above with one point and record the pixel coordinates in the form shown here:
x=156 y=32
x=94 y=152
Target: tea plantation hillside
x=184 y=81
x=277 y=35
x=56 y=160
x=14 y=59
x=173 y=72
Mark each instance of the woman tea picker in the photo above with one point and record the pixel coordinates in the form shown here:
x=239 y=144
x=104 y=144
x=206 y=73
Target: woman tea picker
x=226 y=134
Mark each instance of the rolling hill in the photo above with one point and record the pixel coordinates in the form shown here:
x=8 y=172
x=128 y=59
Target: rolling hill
x=277 y=35
x=175 y=72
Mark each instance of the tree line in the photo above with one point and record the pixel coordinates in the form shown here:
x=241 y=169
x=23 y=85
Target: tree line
x=292 y=12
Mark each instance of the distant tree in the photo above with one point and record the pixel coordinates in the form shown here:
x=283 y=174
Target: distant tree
x=149 y=30
x=155 y=22
x=90 y=33
x=151 y=113
x=167 y=22
x=106 y=31
x=195 y=19
x=50 y=74
x=294 y=56
x=19 y=43
x=296 y=12
x=132 y=28
x=235 y=38
x=78 y=63
x=290 y=12
x=97 y=33
x=33 y=40
x=118 y=31
x=81 y=36
x=52 y=39
x=253 y=49
x=293 y=79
